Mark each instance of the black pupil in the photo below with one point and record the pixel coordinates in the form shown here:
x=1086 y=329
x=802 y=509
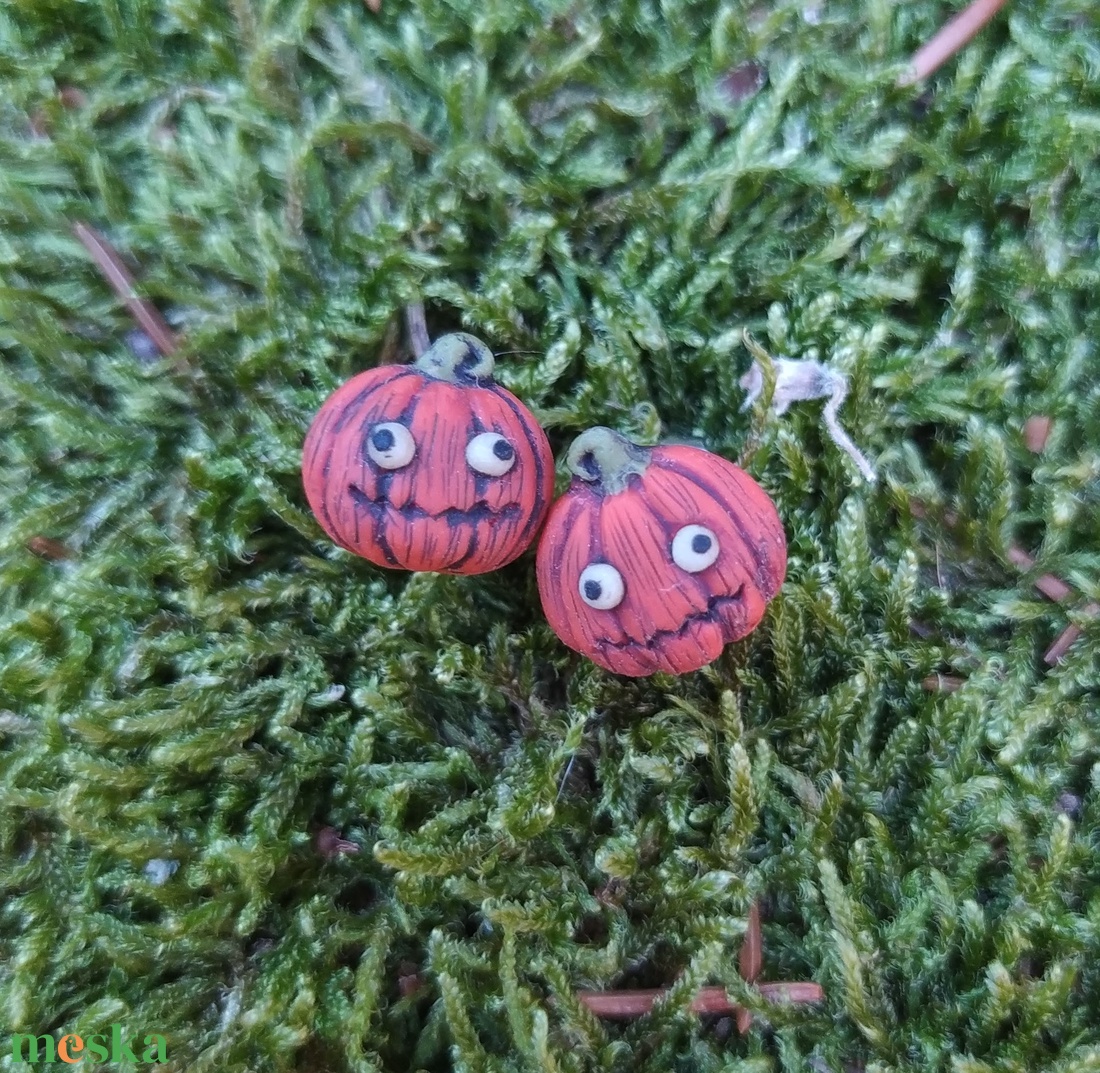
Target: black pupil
x=592 y=590
x=503 y=450
x=700 y=543
x=590 y=466
x=382 y=439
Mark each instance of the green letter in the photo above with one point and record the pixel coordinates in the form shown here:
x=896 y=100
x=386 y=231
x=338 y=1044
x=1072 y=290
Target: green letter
x=19 y=1038
x=98 y=1048
x=158 y=1049
x=116 y=1045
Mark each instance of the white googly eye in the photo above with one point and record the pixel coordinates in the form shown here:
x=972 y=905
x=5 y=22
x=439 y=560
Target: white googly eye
x=694 y=548
x=390 y=445
x=491 y=454
x=601 y=586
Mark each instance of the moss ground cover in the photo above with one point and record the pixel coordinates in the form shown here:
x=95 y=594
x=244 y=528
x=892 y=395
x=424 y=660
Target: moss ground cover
x=200 y=695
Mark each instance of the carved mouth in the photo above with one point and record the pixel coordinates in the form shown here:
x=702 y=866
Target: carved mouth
x=481 y=511
x=711 y=616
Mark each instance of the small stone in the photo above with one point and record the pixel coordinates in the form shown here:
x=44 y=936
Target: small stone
x=1036 y=432
x=328 y=843
x=142 y=346
x=741 y=83
x=71 y=97
x=48 y=548
x=159 y=870
x=409 y=980
x=1068 y=804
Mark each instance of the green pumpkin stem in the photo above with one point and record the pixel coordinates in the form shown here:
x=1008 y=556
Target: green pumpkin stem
x=459 y=358
x=603 y=457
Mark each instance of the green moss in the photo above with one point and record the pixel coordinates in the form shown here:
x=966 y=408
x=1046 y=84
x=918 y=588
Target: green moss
x=208 y=679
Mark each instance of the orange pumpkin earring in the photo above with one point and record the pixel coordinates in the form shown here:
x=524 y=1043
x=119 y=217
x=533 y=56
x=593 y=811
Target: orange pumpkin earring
x=656 y=558
x=430 y=466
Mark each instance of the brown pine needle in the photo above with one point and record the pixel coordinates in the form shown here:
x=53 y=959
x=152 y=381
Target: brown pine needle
x=1061 y=646
x=1036 y=432
x=622 y=1005
x=942 y=683
x=1070 y=634
x=1053 y=588
x=122 y=283
x=951 y=37
x=750 y=962
x=48 y=548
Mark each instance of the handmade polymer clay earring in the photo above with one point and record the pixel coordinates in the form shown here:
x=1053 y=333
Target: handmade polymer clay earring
x=656 y=558
x=430 y=466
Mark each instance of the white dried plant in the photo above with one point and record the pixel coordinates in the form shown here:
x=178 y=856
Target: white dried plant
x=797 y=381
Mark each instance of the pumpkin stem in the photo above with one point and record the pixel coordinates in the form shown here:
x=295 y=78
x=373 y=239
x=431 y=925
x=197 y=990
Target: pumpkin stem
x=459 y=357
x=605 y=458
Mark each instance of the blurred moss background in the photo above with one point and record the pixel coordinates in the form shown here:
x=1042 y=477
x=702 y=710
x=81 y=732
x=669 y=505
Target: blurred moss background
x=198 y=692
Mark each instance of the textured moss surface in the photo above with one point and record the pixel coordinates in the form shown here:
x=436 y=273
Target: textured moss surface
x=609 y=194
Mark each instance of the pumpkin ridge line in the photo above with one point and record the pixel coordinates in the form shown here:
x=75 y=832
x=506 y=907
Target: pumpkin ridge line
x=385 y=479
x=465 y=557
x=349 y=410
x=537 y=515
x=326 y=516
x=669 y=531
x=760 y=563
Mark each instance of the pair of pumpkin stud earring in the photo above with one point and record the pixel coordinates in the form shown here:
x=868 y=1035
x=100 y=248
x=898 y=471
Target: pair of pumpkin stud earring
x=654 y=559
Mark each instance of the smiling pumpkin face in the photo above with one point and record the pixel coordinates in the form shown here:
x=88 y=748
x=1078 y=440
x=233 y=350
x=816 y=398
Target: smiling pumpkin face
x=656 y=558
x=431 y=466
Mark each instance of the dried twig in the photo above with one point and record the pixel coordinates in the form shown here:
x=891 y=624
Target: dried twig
x=122 y=283
x=951 y=37
x=618 y=1005
x=418 y=328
